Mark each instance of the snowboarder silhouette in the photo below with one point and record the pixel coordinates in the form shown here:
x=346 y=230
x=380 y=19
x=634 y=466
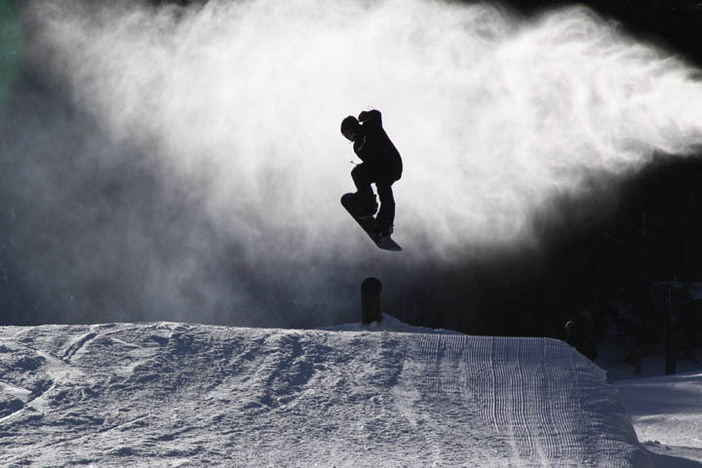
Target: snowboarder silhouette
x=382 y=166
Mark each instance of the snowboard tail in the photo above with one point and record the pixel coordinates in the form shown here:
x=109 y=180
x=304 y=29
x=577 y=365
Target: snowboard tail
x=369 y=225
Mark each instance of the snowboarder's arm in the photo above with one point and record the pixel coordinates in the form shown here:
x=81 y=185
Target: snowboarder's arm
x=370 y=118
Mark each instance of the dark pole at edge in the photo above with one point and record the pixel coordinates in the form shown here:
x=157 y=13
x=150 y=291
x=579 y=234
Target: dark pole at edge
x=669 y=338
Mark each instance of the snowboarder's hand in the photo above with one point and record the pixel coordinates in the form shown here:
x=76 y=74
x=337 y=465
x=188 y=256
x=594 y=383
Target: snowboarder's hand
x=363 y=116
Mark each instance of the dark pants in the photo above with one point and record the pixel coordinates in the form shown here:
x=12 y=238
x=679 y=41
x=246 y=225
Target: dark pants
x=363 y=177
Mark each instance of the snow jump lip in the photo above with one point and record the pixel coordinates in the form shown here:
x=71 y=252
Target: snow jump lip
x=248 y=397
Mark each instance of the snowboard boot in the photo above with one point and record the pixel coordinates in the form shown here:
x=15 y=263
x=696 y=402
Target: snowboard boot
x=365 y=208
x=384 y=229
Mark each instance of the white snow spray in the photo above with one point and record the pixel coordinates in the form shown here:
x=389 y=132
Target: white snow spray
x=238 y=104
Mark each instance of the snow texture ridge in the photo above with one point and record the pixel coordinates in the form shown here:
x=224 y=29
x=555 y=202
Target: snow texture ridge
x=167 y=394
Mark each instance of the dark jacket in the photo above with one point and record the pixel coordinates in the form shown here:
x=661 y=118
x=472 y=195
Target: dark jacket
x=374 y=148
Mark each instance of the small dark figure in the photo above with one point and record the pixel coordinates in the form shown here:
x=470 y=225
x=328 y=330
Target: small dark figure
x=578 y=340
x=382 y=166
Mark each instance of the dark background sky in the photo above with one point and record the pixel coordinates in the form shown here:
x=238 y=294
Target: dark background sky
x=607 y=250
x=602 y=253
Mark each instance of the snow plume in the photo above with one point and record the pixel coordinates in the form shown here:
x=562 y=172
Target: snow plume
x=233 y=108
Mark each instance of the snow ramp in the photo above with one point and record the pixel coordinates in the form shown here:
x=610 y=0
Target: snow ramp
x=167 y=394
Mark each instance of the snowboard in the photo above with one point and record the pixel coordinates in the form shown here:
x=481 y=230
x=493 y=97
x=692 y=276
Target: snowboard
x=368 y=225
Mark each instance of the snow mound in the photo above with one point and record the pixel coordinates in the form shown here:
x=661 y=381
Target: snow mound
x=168 y=394
x=666 y=412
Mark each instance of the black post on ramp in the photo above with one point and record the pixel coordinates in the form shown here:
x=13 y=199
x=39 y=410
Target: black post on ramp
x=370 y=301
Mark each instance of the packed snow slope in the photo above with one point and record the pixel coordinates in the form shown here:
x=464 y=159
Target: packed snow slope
x=170 y=394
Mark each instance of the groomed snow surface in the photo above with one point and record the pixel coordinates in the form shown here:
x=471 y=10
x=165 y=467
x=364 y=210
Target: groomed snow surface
x=169 y=394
